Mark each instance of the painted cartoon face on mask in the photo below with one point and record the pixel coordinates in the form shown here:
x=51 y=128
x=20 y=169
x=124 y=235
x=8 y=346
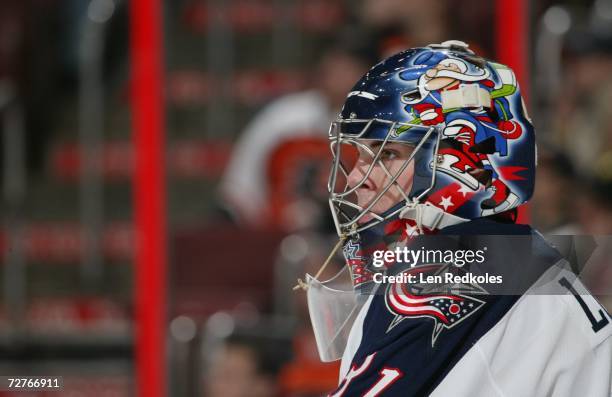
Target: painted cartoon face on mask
x=390 y=178
x=436 y=79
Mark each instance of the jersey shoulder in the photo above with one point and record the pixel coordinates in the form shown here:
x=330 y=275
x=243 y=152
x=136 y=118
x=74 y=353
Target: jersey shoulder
x=559 y=310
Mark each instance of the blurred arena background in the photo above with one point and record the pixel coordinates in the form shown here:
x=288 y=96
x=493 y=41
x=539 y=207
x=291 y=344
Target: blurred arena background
x=249 y=88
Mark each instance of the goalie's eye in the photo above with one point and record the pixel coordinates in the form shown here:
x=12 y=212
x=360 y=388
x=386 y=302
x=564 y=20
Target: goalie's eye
x=389 y=154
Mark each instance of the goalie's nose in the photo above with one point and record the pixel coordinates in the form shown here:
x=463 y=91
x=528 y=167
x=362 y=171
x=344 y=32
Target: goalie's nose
x=357 y=175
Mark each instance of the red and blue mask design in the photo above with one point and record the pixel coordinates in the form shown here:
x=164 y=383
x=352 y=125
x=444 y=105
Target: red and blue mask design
x=476 y=144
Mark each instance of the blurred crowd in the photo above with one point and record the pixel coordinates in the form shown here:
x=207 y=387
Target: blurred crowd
x=241 y=238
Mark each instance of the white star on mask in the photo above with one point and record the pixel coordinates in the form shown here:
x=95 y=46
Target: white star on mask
x=446 y=202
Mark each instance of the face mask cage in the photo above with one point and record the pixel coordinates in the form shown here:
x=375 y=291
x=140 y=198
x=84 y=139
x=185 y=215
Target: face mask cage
x=348 y=140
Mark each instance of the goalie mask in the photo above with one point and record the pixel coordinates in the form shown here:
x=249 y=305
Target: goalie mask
x=472 y=145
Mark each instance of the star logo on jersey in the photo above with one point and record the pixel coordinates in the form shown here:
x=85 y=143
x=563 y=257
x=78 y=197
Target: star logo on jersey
x=447 y=305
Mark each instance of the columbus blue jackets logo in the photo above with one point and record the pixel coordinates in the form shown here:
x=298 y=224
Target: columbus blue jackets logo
x=419 y=300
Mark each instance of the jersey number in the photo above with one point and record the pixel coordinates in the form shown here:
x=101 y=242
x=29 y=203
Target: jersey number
x=596 y=323
x=387 y=377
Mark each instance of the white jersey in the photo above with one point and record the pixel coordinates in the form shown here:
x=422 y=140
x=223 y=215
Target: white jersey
x=546 y=345
x=555 y=340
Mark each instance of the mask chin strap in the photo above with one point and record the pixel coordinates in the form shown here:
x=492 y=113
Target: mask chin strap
x=301 y=284
x=427 y=215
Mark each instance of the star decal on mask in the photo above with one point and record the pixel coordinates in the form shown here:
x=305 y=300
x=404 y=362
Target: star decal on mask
x=446 y=202
x=464 y=190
